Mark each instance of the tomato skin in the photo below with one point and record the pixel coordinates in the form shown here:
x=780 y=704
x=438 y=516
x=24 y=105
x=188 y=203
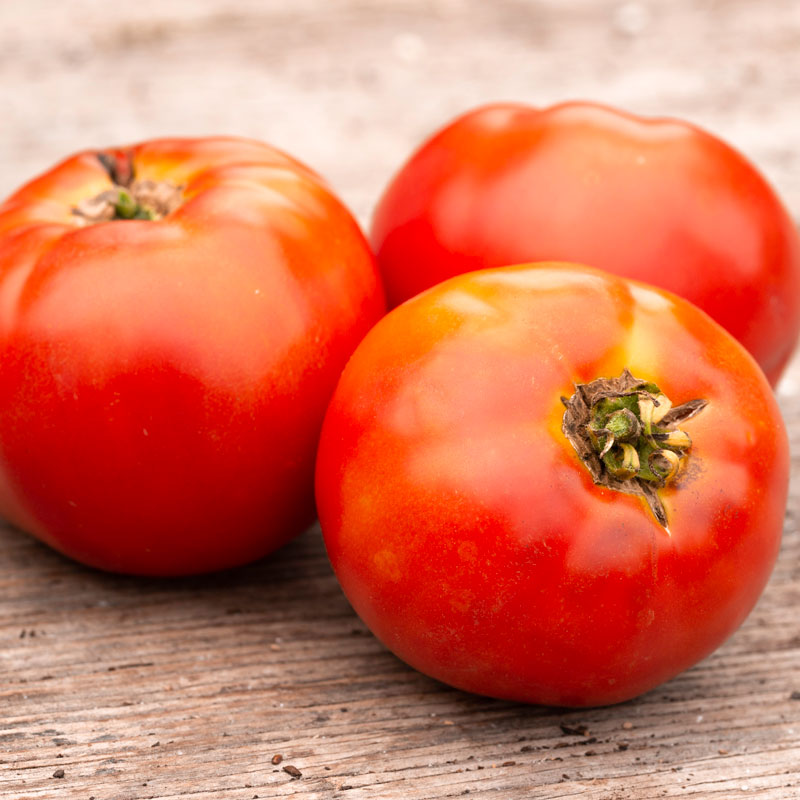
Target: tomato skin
x=163 y=383
x=470 y=538
x=656 y=200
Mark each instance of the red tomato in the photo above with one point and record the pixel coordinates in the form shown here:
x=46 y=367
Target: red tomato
x=659 y=201
x=163 y=381
x=466 y=528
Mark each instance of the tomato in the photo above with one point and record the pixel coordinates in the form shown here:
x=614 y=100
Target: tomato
x=174 y=317
x=657 y=200
x=479 y=529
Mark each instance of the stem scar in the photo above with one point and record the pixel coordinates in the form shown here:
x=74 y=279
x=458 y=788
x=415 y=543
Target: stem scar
x=128 y=197
x=625 y=430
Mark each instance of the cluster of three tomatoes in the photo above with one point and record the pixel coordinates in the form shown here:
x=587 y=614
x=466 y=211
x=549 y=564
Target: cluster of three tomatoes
x=539 y=477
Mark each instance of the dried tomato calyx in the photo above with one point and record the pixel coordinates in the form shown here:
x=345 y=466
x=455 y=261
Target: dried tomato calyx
x=128 y=197
x=626 y=432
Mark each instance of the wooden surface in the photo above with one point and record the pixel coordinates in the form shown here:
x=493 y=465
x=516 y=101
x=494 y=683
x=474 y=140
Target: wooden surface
x=155 y=689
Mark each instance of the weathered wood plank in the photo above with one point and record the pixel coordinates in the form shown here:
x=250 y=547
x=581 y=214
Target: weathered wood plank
x=225 y=671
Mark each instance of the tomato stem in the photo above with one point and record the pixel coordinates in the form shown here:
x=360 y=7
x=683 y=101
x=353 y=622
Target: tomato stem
x=626 y=432
x=128 y=198
x=127 y=208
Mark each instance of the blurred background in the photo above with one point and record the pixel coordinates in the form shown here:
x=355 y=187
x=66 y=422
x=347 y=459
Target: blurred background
x=350 y=86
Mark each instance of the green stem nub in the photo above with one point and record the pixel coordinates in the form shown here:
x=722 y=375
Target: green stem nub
x=623 y=425
x=626 y=432
x=126 y=207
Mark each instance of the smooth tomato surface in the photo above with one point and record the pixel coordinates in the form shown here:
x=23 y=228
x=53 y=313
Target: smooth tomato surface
x=656 y=200
x=469 y=536
x=163 y=382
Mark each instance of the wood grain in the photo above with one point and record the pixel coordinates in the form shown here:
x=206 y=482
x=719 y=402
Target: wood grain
x=156 y=689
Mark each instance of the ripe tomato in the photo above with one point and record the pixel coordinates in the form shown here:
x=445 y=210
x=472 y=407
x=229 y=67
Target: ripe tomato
x=173 y=319
x=659 y=201
x=458 y=499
